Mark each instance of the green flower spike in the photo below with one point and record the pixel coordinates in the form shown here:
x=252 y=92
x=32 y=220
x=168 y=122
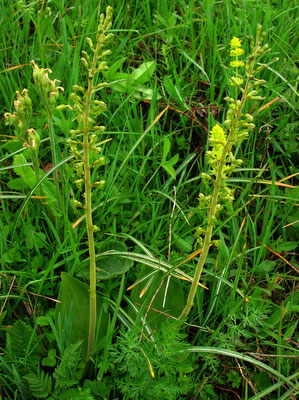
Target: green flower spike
x=87 y=110
x=21 y=117
x=221 y=159
x=49 y=92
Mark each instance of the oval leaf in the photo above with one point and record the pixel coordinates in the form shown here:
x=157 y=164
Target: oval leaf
x=73 y=311
x=144 y=73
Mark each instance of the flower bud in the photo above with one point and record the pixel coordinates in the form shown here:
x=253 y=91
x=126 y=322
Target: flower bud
x=95 y=228
x=89 y=41
x=84 y=62
x=99 y=184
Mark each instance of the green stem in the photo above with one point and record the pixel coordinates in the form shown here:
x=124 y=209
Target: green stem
x=88 y=208
x=35 y=163
x=39 y=39
x=217 y=185
x=54 y=156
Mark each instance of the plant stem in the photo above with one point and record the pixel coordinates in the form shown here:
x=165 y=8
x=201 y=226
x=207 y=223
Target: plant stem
x=88 y=208
x=54 y=156
x=35 y=163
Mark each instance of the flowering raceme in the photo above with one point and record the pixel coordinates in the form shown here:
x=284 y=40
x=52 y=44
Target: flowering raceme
x=221 y=159
x=236 y=51
x=217 y=141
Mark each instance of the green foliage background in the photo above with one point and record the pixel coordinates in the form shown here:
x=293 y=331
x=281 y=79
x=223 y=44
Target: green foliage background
x=172 y=57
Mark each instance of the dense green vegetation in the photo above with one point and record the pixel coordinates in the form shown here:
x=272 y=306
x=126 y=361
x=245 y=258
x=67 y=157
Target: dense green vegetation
x=169 y=74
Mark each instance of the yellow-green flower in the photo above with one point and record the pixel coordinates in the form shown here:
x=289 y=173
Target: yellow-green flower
x=236 y=81
x=217 y=141
x=235 y=43
x=236 y=52
x=236 y=64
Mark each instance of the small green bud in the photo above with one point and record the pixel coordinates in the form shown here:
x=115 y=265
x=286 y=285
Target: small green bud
x=99 y=162
x=72 y=142
x=242 y=135
x=102 y=66
x=256 y=98
x=77 y=204
x=230 y=114
x=259 y=82
x=85 y=55
x=109 y=36
x=99 y=184
x=261 y=67
x=227 y=123
x=84 y=62
x=249 y=117
x=95 y=228
x=33 y=140
x=105 y=53
x=75 y=132
x=96 y=149
x=53 y=97
x=89 y=41
x=79 y=181
x=93 y=139
x=79 y=88
x=205 y=177
x=252 y=93
x=99 y=129
x=102 y=85
x=229 y=99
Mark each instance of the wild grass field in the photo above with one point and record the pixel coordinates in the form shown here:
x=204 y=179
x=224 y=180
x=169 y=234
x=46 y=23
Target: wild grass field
x=154 y=258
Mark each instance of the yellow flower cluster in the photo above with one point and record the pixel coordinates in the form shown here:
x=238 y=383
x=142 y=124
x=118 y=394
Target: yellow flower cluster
x=217 y=141
x=236 y=51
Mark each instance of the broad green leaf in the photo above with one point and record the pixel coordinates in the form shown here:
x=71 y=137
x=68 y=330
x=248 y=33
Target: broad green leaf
x=169 y=169
x=74 y=306
x=174 y=160
x=265 y=267
x=286 y=246
x=111 y=73
x=184 y=245
x=144 y=73
x=47 y=29
x=111 y=266
x=49 y=190
x=25 y=172
x=174 y=298
x=42 y=321
x=120 y=84
x=16 y=184
x=290 y=331
x=262 y=380
x=59 y=68
x=142 y=92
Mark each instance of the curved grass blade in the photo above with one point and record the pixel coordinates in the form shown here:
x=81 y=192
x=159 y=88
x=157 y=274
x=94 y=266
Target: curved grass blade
x=243 y=357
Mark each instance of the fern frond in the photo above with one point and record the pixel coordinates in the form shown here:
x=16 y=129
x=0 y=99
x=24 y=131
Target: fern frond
x=65 y=373
x=19 y=336
x=22 y=347
x=40 y=384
